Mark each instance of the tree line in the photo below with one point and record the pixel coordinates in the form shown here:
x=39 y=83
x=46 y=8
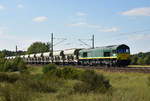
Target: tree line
x=39 y=47
x=141 y=59
x=36 y=47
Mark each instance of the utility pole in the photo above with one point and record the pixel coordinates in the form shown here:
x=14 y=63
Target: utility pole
x=52 y=46
x=93 y=41
x=16 y=50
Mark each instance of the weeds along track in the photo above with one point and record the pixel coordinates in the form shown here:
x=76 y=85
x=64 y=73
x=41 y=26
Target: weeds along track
x=118 y=69
x=107 y=69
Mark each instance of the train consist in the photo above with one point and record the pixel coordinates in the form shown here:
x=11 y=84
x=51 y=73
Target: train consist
x=115 y=55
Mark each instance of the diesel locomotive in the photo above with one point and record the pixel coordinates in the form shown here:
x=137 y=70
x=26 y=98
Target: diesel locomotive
x=115 y=55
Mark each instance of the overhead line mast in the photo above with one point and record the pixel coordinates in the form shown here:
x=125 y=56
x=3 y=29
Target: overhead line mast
x=91 y=46
x=16 y=50
x=93 y=41
x=52 y=45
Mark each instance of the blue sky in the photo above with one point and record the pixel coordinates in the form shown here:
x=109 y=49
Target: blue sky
x=23 y=22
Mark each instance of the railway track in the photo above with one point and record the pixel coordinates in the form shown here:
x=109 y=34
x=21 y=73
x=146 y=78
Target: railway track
x=110 y=69
x=119 y=69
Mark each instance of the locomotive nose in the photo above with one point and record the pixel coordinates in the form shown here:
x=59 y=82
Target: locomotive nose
x=123 y=56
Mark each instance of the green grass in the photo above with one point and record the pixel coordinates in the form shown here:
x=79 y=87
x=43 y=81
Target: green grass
x=138 y=65
x=35 y=69
x=131 y=86
x=126 y=87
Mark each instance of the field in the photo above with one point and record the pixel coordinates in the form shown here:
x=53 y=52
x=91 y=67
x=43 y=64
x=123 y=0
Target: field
x=125 y=87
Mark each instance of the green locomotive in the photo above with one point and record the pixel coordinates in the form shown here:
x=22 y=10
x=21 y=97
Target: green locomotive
x=115 y=55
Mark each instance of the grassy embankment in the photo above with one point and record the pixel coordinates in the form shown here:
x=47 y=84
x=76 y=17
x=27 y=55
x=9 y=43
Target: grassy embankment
x=139 y=66
x=125 y=87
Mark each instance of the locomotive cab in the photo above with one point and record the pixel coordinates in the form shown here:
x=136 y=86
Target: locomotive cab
x=123 y=52
x=123 y=55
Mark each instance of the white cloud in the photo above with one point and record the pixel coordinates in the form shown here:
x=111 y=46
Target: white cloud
x=93 y=26
x=2 y=7
x=20 y=6
x=80 y=14
x=138 y=37
x=78 y=24
x=113 y=29
x=85 y=24
x=96 y=27
x=40 y=19
x=145 y=11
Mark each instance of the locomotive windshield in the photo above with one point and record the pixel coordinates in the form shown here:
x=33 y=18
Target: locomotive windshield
x=123 y=51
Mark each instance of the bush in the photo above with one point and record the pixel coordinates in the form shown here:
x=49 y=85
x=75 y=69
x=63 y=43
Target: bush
x=22 y=66
x=92 y=82
x=11 y=78
x=14 y=93
x=70 y=73
x=82 y=87
x=49 y=67
x=2 y=62
x=65 y=73
x=3 y=77
x=56 y=73
x=36 y=84
x=15 y=63
x=5 y=65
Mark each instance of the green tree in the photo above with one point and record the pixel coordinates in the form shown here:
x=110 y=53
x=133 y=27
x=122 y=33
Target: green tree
x=147 y=60
x=141 y=58
x=5 y=52
x=134 y=59
x=140 y=54
x=140 y=61
x=38 y=47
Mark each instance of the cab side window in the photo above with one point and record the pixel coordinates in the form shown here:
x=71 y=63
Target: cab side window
x=106 y=54
x=113 y=51
x=85 y=54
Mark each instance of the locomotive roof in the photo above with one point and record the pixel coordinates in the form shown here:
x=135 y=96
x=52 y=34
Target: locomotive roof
x=104 y=47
